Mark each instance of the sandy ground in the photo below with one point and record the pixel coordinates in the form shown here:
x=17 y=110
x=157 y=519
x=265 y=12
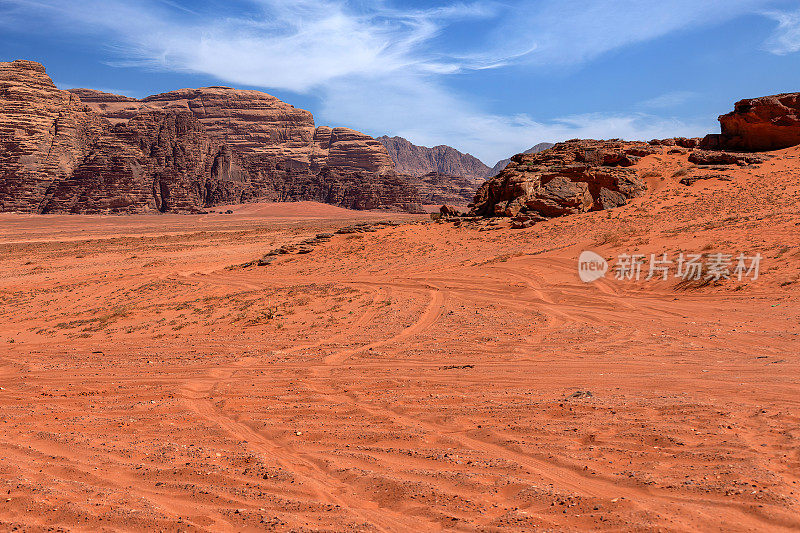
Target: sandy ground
x=422 y=377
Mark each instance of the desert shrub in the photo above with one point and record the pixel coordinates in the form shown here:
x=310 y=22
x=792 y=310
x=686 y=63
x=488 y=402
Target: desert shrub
x=681 y=172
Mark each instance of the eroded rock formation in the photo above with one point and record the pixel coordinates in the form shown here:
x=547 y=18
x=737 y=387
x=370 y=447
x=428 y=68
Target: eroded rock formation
x=681 y=142
x=158 y=161
x=705 y=157
x=572 y=177
x=59 y=156
x=44 y=135
x=287 y=157
x=759 y=124
x=261 y=128
x=85 y=151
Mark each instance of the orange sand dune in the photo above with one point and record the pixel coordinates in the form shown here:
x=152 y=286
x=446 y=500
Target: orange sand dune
x=417 y=378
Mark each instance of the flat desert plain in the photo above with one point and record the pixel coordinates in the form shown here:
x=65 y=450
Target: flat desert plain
x=420 y=377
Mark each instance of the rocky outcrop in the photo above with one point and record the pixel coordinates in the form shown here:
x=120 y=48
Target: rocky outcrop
x=759 y=124
x=572 y=177
x=85 y=151
x=449 y=211
x=159 y=161
x=705 y=157
x=416 y=161
x=44 y=135
x=352 y=150
x=681 y=142
x=351 y=189
x=498 y=168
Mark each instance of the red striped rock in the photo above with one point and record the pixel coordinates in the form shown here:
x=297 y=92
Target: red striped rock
x=759 y=125
x=261 y=128
x=84 y=151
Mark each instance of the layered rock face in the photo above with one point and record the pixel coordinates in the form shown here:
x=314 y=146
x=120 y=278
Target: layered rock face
x=258 y=126
x=85 y=151
x=680 y=142
x=503 y=163
x=286 y=156
x=438 y=189
x=350 y=149
x=572 y=177
x=59 y=156
x=158 y=161
x=44 y=134
x=759 y=124
x=417 y=161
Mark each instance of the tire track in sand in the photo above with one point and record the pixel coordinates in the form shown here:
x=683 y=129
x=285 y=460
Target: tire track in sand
x=325 y=487
x=561 y=476
x=564 y=477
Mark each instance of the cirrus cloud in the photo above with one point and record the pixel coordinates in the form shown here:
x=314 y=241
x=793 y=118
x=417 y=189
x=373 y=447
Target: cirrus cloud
x=385 y=69
x=786 y=39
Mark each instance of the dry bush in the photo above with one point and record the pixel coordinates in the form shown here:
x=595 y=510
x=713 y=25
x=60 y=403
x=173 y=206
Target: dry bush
x=650 y=174
x=695 y=284
x=613 y=238
x=680 y=173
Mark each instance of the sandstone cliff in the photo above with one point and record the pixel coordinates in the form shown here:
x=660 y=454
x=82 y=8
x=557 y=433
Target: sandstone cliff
x=417 y=161
x=59 y=156
x=158 y=161
x=84 y=151
x=572 y=177
x=759 y=124
x=44 y=133
x=260 y=127
x=287 y=157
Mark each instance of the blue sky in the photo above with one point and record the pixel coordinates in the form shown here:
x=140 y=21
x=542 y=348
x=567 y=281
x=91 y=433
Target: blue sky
x=489 y=78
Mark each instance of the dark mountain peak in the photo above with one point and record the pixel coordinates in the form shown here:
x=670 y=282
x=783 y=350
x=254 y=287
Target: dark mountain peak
x=416 y=161
x=498 y=168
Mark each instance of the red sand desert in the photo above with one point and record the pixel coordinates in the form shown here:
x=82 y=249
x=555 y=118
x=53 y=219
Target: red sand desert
x=420 y=377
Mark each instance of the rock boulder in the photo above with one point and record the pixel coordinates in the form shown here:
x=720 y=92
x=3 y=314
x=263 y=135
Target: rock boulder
x=572 y=177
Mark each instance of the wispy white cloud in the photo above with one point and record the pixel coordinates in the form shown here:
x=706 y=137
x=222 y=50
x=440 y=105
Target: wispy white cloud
x=570 y=32
x=786 y=38
x=297 y=45
x=383 y=69
x=179 y=7
x=431 y=114
x=668 y=100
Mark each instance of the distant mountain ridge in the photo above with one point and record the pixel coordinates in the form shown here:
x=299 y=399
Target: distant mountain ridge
x=417 y=161
x=498 y=168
